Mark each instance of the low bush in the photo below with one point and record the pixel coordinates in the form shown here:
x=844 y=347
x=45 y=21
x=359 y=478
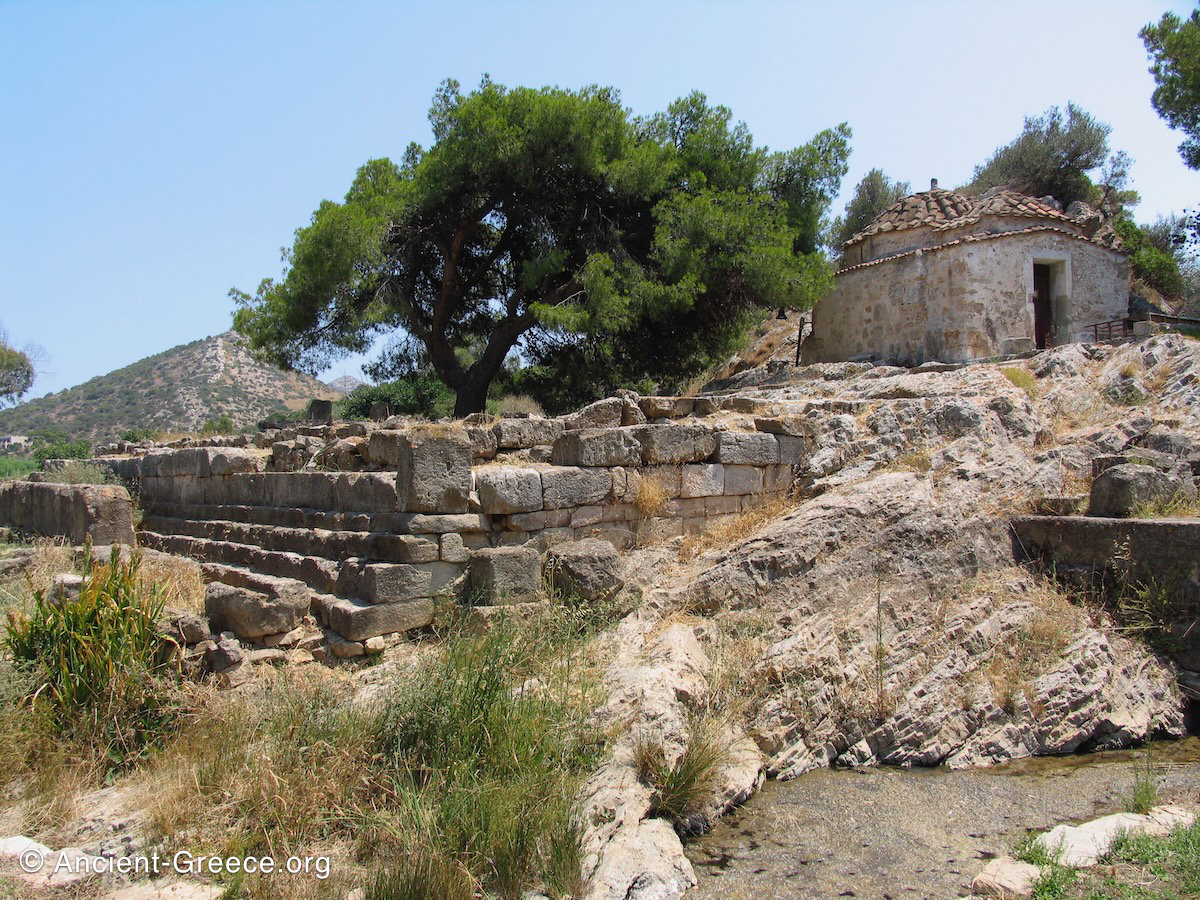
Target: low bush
x=79 y=471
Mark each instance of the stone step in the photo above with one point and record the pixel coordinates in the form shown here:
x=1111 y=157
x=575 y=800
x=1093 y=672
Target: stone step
x=298 y=517
x=351 y=618
x=319 y=542
x=319 y=574
x=374 y=582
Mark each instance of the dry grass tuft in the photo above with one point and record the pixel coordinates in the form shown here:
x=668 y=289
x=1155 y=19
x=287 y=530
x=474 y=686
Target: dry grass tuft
x=913 y=461
x=1022 y=378
x=178 y=580
x=518 y=404
x=682 y=787
x=734 y=531
x=1176 y=506
x=50 y=557
x=651 y=497
x=1029 y=651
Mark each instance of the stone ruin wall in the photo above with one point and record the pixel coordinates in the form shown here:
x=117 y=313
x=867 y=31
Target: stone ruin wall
x=467 y=509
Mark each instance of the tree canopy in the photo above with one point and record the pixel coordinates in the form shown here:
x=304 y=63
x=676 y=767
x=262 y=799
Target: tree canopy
x=1053 y=155
x=553 y=220
x=16 y=373
x=1174 y=48
x=872 y=195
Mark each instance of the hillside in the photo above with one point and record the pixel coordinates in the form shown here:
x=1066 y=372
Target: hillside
x=177 y=390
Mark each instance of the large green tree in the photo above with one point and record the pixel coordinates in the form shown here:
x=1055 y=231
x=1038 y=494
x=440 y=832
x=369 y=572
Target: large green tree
x=872 y=195
x=1174 y=48
x=1053 y=155
x=539 y=213
x=16 y=372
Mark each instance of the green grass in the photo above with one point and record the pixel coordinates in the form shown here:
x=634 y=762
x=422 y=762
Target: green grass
x=17 y=466
x=1141 y=867
x=1144 y=796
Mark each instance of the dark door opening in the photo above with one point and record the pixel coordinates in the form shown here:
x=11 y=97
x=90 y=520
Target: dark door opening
x=1043 y=318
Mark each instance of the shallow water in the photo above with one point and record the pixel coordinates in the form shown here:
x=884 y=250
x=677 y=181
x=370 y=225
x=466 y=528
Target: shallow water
x=885 y=832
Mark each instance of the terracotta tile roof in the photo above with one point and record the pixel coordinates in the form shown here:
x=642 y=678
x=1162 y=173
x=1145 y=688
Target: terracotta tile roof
x=1011 y=204
x=977 y=238
x=936 y=208
x=945 y=210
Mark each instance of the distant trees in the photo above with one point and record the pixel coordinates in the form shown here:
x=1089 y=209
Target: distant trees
x=1053 y=155
x=1174 y=48
x=872 y=195
x=607 y=248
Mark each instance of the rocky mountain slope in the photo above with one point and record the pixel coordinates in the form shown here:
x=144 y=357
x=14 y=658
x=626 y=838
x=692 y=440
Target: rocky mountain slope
x=882 y=618
x=177 y=390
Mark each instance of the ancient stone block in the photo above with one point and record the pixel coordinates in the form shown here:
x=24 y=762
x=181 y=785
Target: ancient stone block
x=453 y=550
x=746 y=448
x=505 y=575
x=357 y=620
x=253 y=614
x=102 y=514
x=433 y=472
x=792 y=426
x=673 y=444
x=793 y=451
x=508 y=489
x=587 y=569
x=743 y=479
x=536 y=521
x=483 y=441
x=572 y=486
x=1119 y=491
x=422 y=523
x=706 y=406
x=393 y=582
x=405 y=548
x=666 y=407
x=657 y=529
x=597 y=447
x=704 y=480
x=515 y=434
x=606 y=413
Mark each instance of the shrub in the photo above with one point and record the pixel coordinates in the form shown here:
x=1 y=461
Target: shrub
x=416 y=395
x=62 y=448
x=93 y=660
x=220 y=425
x=81 y=472
x=518 y=405
x=16 y=466
x=484 y=774
x=141 y=435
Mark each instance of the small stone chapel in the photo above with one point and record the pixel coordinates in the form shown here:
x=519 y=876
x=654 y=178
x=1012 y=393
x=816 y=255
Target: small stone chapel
x=942 y=276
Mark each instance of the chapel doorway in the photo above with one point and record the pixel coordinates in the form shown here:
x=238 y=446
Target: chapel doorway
x=1043 y=309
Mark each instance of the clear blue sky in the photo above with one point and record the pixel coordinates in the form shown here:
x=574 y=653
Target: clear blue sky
x=155 y=154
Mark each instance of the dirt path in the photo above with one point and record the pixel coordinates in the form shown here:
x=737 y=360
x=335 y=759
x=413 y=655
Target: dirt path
x=913 y=833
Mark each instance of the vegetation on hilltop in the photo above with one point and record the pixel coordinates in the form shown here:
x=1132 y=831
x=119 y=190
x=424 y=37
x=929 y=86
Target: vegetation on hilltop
x=214 y=380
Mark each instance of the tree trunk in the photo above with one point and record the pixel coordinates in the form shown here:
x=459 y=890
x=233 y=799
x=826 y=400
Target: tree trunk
x=472 y=395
